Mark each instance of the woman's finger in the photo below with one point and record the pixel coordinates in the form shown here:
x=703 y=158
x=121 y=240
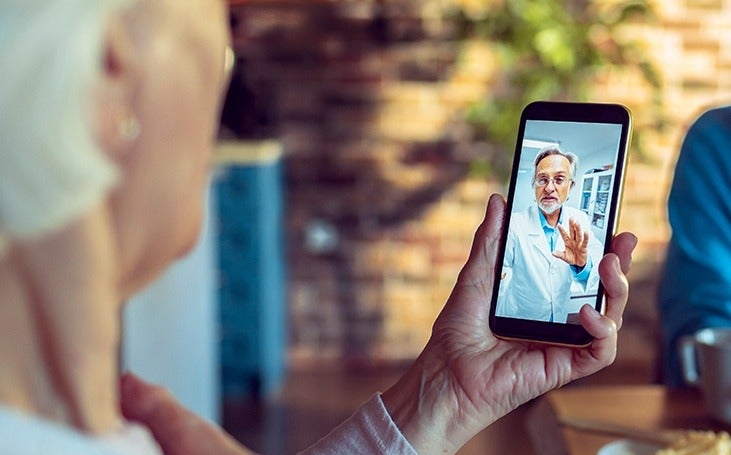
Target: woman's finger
x=177 y=430
x=622 y=245
x=616 y=288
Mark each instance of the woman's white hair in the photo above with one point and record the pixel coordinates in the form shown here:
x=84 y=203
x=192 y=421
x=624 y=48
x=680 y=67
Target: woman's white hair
x=51 y=167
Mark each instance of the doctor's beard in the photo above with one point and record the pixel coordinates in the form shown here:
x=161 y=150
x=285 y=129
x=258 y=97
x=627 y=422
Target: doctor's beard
x=550 y=207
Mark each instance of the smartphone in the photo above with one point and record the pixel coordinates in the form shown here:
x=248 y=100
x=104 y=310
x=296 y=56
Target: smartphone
x=562 y=204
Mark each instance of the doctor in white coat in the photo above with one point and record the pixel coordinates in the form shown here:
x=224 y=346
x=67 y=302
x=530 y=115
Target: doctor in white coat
x=549 y=247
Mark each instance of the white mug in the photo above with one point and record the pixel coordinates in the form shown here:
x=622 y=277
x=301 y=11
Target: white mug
x=705 y=359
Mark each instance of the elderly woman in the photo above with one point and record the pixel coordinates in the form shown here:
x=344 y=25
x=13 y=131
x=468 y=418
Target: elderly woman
x=103 y=172
x=108 y=118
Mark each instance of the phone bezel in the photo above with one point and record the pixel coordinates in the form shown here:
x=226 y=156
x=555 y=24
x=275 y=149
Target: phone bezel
x=565 y=334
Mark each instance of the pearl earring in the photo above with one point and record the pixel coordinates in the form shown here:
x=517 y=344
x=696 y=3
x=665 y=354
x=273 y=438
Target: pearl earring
x=129 y=128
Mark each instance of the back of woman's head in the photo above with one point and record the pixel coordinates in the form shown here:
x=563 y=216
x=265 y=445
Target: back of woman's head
x=51 y=167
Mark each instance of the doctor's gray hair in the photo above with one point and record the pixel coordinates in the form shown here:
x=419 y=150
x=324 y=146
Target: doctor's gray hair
x=554 y=150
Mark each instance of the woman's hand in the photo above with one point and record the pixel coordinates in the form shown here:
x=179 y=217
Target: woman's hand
x=177 y=430
x=466 y=378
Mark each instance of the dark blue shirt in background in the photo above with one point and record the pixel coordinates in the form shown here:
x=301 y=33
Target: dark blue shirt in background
x=695 y=290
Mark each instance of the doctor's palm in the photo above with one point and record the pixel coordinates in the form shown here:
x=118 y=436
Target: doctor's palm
x=576 y=244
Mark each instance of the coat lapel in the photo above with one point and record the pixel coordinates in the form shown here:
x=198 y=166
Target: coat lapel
x=536 y=235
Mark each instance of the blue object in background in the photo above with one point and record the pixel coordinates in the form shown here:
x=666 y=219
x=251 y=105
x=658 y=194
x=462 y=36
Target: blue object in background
x=177 y=314
x=250 y=248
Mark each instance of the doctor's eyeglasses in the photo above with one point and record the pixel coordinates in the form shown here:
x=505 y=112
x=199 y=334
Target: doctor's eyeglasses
x=558 y=181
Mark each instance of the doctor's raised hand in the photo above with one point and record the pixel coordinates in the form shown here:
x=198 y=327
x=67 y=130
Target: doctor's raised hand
x=465 y=378
x=576 y=243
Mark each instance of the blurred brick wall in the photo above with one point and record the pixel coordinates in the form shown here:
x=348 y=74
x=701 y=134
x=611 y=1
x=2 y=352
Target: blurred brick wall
x=367 y=98
x=690 y=44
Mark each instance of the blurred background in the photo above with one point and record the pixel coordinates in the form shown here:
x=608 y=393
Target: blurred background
x=360 y=141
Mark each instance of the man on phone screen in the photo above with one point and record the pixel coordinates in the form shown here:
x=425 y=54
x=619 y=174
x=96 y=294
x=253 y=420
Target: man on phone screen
x=549 y=247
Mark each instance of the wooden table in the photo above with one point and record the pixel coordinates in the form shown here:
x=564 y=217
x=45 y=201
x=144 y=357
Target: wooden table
x=649 y=407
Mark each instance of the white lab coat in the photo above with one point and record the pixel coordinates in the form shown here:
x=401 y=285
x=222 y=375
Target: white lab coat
x=535 y=282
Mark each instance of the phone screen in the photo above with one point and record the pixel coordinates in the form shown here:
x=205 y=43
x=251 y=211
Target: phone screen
x=562 y=202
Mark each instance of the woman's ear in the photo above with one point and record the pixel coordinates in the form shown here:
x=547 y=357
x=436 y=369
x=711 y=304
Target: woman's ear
x=117 y=123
